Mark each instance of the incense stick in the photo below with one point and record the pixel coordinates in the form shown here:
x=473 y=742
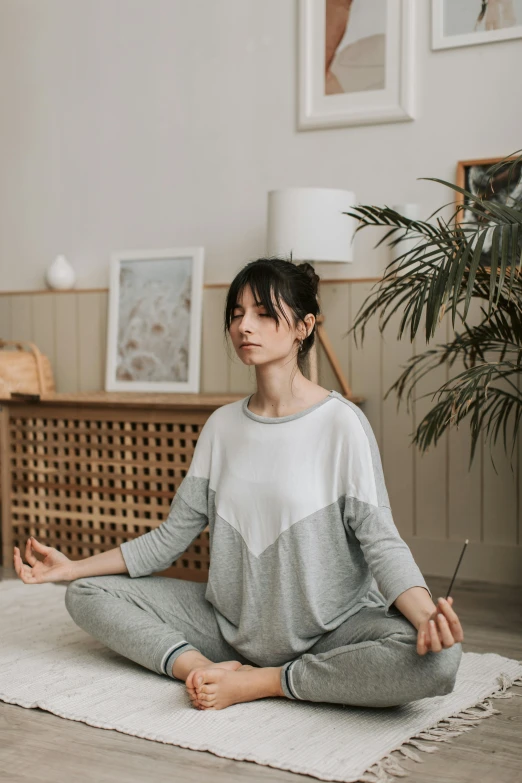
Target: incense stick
x=457 y=568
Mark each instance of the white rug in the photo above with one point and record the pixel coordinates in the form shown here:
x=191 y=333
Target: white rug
x=46 y=661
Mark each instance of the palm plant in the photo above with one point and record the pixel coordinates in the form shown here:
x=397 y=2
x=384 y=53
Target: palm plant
x=443 y=272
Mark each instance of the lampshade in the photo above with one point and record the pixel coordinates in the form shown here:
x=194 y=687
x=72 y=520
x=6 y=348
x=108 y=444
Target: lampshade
x=309 y=224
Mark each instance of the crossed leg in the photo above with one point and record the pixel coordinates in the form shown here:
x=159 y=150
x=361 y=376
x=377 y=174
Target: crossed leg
x=370 y=660
x=164 y=624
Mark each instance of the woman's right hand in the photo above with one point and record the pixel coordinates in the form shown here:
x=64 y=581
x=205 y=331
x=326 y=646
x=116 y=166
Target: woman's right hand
x=53 y=567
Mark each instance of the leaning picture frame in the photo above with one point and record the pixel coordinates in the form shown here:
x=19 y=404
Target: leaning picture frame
x=466 y=24
x=364 y=94
x=501 y=186
x=155 y=320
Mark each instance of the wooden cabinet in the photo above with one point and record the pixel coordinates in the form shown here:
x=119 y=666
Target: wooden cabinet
x=85 y=472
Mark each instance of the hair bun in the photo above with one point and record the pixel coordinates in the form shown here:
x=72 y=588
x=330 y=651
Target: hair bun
x=311 y=274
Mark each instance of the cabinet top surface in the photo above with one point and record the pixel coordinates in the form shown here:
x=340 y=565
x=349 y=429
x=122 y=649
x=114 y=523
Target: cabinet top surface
x=103 y=398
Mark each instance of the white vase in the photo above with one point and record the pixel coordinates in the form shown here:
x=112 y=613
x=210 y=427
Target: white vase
x=60 y=275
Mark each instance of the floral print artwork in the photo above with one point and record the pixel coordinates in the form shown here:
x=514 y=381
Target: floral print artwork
x=154 y=320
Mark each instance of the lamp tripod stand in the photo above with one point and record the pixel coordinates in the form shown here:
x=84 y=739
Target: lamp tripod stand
x=322 y=335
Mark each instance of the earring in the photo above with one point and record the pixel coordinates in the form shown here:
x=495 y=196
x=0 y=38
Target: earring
x=300 y=345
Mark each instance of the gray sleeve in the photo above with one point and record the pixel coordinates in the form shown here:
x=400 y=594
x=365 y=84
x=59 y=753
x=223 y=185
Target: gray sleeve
x=158 y=549
x=388 y=556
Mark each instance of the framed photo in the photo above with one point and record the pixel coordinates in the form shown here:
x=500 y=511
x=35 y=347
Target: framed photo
x=154 y=320
x=468 y=22
x=503 y=187
x=356 y=62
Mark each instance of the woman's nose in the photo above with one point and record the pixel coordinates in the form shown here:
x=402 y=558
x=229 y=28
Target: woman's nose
x=244 y=324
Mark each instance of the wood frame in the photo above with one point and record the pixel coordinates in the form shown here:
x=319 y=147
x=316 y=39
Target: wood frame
x=460 y=179
x=461 y=183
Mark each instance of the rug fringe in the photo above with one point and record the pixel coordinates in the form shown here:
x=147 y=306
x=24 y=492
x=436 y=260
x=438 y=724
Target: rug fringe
x=443 y=731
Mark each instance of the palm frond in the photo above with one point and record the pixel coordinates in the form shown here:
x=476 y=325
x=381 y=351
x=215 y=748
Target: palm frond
x=441 y=273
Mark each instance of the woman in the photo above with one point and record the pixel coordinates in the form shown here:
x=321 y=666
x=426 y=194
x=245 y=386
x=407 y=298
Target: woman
x=312 y=594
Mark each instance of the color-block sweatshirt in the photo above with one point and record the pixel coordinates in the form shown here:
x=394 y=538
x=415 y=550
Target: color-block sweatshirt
x=300 y=527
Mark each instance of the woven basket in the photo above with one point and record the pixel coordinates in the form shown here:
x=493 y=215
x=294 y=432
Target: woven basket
x=27 y=371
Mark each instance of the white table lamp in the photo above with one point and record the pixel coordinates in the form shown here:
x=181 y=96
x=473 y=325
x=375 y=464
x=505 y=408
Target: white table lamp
x=309 y=224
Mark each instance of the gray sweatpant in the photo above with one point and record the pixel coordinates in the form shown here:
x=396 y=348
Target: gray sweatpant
x=370 y=660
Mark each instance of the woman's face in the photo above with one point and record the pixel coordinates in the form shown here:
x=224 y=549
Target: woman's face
x=251 y=323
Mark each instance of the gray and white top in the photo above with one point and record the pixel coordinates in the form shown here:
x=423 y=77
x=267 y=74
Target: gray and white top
x=300 y=526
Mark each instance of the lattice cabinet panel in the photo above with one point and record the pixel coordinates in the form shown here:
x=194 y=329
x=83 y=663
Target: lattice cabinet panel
x=84 y=479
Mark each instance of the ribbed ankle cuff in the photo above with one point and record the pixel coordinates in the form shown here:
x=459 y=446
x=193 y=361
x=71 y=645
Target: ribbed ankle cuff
x=286 y=680
x=171 y=654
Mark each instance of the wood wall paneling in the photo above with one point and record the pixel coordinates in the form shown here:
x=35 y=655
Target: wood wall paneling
x=104 y=320
x=214 y=360
x=334 y=302
x=465 y=510
x=365 y=361
x=91 y=326
x=22 y=318
x=398 y=454
x=431 y=485
x=5 y=317
x=500 y=484
x=66 y=342
x=44 y=325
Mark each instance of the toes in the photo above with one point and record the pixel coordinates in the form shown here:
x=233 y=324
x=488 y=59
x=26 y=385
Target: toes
x=207 y=698
x=204 y=703
x=211 y=676
x=207 y=690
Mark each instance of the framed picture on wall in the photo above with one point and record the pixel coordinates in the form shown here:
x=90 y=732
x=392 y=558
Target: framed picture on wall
x=154 y=320
x=503 y=186
x=356 y=62
x=468 y=22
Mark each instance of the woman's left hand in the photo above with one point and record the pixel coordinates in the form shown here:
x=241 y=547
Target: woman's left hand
x=440 y=630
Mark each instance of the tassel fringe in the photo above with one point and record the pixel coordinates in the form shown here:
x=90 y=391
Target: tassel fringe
x=443 y=731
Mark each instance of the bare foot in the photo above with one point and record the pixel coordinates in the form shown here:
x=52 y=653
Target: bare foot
x=189 y=682
x=218 y=688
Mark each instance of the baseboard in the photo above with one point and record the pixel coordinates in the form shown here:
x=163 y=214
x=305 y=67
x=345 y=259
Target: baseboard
x=499 y=564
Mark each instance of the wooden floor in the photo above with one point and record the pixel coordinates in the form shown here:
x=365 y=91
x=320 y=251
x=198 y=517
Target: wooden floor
x=39 y=747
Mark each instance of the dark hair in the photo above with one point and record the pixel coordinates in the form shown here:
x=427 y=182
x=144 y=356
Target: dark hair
x=295 y=284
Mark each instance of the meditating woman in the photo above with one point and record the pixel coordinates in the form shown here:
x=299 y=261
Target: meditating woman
x=312 y=594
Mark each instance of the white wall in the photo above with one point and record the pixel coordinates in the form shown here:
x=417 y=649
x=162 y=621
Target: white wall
x=154 y=123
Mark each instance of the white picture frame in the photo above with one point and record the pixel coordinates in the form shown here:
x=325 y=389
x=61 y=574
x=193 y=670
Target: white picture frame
x=155 y=320
x=394 y=103
x=441 y=40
